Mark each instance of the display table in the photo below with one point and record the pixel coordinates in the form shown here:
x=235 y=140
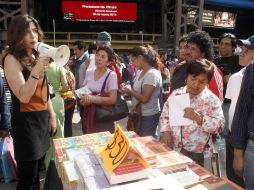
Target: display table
x=78 y=169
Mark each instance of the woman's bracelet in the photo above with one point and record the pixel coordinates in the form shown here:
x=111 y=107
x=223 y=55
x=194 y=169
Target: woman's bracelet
x=200 y=121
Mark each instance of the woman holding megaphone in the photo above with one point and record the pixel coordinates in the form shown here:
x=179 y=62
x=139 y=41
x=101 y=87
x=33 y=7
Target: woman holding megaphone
x=33 y=118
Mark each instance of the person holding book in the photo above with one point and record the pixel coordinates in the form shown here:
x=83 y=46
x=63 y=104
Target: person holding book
x=33 y=118
x=199 y=45
x=205 y=112
x=147 y=87
x=94 y=80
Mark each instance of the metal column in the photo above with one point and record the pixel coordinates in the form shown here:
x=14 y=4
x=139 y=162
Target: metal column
x=8 y=10
x=176 y=21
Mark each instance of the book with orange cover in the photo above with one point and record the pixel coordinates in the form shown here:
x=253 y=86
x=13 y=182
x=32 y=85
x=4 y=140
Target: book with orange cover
x=120 y=161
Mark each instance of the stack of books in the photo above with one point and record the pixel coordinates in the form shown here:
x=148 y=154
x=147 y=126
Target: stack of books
x=67 y=149
x=107 y=161
x=69 y=177
x=90 y=172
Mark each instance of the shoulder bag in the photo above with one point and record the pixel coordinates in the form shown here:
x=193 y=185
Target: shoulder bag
x=134 y=117
x=117 y=111
x=68 y=96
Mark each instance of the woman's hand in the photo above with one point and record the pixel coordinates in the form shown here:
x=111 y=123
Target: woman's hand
x=85 y=100
x=40 y=67
x=52 y=125
x=193 y=115
x=125 y=88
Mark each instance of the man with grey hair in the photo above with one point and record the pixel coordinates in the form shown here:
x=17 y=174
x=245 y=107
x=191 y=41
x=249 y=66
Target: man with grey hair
x=242 y=129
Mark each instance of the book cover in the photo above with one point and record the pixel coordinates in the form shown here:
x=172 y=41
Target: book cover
x=77 y=151
x=70 y=171
x=187 y=178
x=57 y=143
x=70 y=177
x=131 y=163
x=120 y=161
x=78 y=140
x=149 y=147
x=199 y=170
x=171 y=161
x=213 y=182
x=90 y=172
x=88 y=166
x=59 y=155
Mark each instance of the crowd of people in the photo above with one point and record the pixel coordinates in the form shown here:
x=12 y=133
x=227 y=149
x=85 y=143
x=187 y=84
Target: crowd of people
x=212 y=84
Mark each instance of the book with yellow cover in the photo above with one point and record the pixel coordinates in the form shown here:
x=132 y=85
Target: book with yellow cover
x=120 y=161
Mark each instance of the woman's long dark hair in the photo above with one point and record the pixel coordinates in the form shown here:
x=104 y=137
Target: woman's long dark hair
x=16 y=33
x=149 y=54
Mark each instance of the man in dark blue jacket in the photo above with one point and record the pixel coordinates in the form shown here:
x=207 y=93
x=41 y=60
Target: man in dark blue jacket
x=242 y=129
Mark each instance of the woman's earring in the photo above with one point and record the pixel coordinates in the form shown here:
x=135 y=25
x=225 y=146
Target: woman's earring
x=185 y=81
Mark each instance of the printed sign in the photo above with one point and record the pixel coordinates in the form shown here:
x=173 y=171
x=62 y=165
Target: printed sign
x=116 y=150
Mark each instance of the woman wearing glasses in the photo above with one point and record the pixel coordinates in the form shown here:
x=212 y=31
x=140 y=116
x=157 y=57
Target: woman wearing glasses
x=146 y=90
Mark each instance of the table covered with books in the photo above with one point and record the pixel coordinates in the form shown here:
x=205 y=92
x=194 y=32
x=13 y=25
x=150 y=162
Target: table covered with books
x=123 y=160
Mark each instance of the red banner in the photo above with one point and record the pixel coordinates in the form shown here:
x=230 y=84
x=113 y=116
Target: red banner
x=99 y=11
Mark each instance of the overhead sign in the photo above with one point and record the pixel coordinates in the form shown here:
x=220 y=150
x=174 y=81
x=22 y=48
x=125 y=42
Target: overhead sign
x=215 y=18
x=99 y=11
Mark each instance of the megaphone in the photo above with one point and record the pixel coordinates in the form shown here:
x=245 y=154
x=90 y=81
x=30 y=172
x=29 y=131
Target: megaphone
x=60 y=55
